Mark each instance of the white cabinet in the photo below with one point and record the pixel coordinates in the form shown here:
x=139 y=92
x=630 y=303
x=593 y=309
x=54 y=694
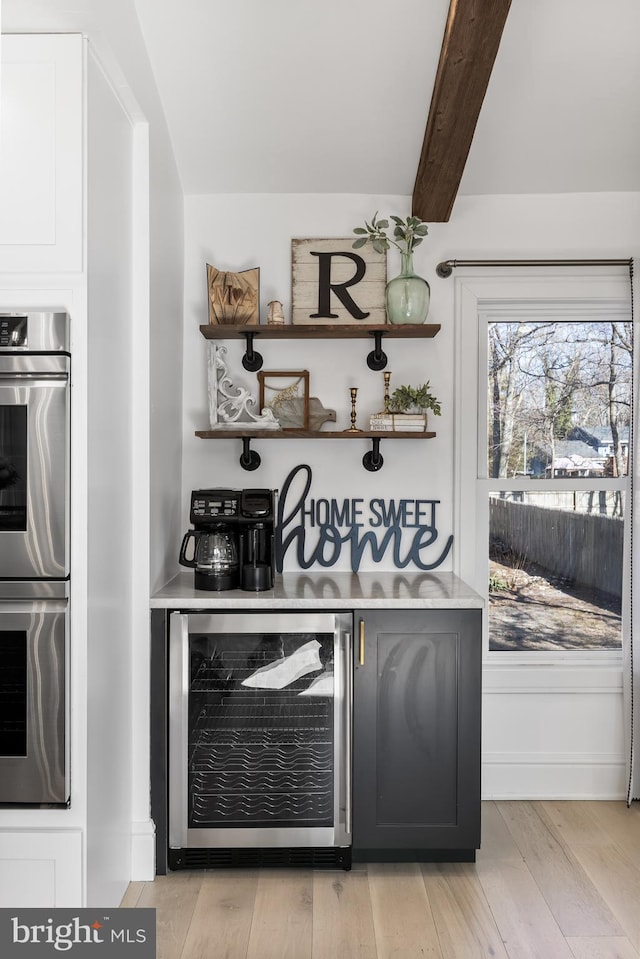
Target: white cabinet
x=40 y=868
x=41 y=140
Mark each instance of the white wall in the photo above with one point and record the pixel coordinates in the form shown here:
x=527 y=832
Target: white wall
x=110 y=453
x=579 y=751
x=240 y=232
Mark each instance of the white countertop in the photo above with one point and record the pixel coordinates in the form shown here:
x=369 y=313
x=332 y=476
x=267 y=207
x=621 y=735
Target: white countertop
x=319 y=590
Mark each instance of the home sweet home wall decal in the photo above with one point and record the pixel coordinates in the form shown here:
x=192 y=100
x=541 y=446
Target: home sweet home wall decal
x=331 y=284
x=318 y=529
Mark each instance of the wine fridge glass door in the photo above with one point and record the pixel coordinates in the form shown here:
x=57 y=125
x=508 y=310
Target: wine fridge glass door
x=258 y=729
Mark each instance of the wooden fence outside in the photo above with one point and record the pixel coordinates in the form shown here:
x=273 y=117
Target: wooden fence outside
x=585 y=549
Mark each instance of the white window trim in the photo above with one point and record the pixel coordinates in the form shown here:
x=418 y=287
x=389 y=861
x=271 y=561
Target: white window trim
x=479 y=298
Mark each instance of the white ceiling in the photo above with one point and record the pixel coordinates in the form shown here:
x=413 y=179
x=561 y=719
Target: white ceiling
x=332 y=95
x=295 y=96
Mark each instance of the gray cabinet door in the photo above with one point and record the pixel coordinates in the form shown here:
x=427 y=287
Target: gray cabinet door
x=416 y=733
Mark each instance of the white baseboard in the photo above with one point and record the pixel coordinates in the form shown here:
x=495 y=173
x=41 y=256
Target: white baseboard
x=143 y=851
x=553 y=776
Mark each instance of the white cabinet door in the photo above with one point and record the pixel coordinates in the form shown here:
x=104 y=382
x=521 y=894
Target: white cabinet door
x=41 y=869
x=41 y=140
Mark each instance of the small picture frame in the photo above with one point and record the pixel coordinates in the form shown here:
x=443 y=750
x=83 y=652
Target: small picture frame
x=286 y=394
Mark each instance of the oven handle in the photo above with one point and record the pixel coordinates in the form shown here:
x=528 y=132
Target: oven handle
x=35 y=605
x=7 y=378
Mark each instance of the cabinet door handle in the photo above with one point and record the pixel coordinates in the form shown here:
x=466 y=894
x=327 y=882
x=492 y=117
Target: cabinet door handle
x=362 y=642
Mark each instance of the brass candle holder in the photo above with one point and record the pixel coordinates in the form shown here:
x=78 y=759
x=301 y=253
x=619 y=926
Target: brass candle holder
x=354 y=393
x=387 y=380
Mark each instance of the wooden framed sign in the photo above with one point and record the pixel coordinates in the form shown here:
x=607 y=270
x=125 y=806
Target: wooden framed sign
x=331 y=283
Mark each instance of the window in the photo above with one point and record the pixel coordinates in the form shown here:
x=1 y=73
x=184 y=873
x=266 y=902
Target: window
x=555 y=570
x=558 y=407
x=549 y=470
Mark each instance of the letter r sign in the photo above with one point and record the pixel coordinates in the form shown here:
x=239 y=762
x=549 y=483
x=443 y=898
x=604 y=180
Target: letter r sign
x=332 y=284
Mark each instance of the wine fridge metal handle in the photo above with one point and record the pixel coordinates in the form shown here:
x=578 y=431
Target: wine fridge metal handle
x=348 y=754
x=361 y=657
x=178 y=727
x=34 y=378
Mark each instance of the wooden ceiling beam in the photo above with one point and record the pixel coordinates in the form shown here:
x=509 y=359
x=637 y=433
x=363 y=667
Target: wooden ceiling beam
x=471 y=40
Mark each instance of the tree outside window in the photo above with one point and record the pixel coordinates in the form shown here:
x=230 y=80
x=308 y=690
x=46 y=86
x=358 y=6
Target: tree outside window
x=558 y=408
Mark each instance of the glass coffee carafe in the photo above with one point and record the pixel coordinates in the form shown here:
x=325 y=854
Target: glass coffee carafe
x=213 y=556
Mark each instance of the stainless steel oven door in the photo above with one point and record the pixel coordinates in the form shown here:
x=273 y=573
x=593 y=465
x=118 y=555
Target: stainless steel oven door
x=33 y=703
x=259 y=730
x=34 y=474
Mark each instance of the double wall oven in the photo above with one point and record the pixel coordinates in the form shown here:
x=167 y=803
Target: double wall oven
x=34 y=556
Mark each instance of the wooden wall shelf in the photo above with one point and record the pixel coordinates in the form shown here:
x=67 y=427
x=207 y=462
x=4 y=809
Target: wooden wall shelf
x=372 y=459
x=321 y=331
x=376 y=360
x=314 y=434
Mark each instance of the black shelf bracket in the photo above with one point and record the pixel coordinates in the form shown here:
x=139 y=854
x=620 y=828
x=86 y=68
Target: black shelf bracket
x=377 y=358
x=251 y=360
x=372 y=461
x=250 y=460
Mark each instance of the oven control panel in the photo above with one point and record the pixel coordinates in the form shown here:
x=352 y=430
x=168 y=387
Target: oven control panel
x=13 y=331
x=34 y=331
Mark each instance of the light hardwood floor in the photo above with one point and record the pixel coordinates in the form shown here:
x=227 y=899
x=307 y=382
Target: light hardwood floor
x=553 y=880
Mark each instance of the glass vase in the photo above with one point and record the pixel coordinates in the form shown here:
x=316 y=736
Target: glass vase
x=407 y=295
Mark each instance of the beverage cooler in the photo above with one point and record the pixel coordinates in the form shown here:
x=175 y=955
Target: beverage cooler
x=259 y=720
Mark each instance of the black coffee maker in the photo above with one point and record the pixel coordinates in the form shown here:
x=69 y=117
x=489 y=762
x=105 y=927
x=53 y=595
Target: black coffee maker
x=233 y=539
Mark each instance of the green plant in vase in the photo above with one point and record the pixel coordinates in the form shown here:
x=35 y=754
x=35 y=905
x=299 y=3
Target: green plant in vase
x=407 y=295
x=414 y=399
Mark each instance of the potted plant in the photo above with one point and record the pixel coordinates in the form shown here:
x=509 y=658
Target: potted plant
x=410 y=399
x=407 y=296
x=406 y=409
